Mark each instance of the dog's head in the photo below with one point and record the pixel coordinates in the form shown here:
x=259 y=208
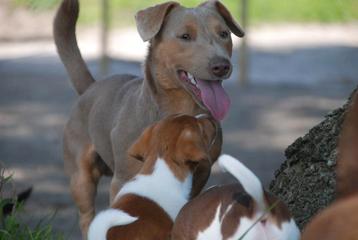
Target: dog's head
x=194 y=45
x=182 y=141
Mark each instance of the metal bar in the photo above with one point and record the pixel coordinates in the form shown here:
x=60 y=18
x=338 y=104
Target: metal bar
x=104 y=62
x=243 y=50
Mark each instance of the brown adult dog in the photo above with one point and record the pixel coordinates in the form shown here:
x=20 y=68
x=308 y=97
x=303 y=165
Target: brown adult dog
x=187 y=60
x=340 y=220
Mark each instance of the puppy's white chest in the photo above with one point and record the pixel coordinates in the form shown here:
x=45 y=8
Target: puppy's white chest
x=161 y=187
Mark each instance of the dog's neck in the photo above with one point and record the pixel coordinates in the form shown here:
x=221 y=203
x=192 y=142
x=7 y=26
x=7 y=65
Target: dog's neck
x=162 y=187
x=171 y=100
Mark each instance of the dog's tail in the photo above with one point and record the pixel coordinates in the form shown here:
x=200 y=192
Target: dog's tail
x=66 y=43
x=107 y=219
x=347 y=161
x=245 y=176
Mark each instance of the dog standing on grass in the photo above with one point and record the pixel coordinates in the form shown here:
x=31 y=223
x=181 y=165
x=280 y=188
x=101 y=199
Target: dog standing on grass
x=188 y=57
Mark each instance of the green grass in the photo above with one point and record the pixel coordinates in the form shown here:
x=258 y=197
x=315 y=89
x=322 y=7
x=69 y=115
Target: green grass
x=37 y=4
x=304 y=10
x=260 y=11
x=13 y=227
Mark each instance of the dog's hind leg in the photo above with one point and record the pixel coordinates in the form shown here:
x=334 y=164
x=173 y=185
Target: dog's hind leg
x=83 y=186
x=84 y=167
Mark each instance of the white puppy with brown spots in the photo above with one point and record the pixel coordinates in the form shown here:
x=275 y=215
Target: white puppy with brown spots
x=146 y=207
x=242 y=210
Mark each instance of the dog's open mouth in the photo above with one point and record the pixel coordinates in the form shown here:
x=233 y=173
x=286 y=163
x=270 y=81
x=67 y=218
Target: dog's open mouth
x=208 y=92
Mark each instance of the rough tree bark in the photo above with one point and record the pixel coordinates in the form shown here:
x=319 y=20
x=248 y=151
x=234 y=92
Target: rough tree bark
x=306 y=180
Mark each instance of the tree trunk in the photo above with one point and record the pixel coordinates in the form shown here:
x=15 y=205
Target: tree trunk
x=306 y=180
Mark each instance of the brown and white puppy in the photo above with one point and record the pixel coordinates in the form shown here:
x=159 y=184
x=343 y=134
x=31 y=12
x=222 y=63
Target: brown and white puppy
x=146 y=206
x=236 y=211
x=188 y=57
x=340 y=220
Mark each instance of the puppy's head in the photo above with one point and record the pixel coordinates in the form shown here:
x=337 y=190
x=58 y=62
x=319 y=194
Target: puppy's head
x=182 y=141
x=194 y=45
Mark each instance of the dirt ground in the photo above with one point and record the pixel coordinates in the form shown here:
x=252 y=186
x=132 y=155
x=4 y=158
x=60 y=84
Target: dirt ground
x=293 y=84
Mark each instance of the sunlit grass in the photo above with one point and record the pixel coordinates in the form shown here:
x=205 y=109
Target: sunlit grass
x=260 y=11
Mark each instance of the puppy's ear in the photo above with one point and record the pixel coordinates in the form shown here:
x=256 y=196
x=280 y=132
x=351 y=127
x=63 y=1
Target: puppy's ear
x=140 y=148
x=150 y=20
x=224 y=12
x=209 y=129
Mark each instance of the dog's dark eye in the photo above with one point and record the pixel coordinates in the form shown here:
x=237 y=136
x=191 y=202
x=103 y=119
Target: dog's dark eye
x=185 y=37
x=224 y=34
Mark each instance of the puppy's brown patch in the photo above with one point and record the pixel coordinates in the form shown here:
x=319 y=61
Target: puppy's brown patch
x=198 y=214
x=279 y=211
x=153 y=222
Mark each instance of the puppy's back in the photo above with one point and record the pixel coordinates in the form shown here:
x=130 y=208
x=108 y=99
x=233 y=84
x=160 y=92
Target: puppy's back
x=131 y=216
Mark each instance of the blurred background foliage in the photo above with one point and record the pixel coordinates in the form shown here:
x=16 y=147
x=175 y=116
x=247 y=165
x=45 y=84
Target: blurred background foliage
x=260 y=11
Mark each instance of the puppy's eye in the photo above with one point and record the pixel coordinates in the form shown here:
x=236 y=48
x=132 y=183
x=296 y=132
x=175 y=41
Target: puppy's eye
x=224 y=34
x=185 y=37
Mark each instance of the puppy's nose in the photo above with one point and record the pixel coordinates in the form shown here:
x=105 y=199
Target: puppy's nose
x=220 y=67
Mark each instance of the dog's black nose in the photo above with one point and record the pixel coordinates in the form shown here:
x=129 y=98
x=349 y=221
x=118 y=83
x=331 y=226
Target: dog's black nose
x=220 y=67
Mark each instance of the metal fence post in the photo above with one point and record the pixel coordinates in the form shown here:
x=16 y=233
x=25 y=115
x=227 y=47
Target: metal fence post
x=243 y=50
x=104 y=62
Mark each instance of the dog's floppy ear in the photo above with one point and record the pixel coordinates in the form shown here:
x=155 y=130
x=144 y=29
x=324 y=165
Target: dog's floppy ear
x=150 y=20
x=225 y=13
x=140 y=148
x=208 y=128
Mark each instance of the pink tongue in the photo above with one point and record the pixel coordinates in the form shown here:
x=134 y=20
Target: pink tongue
x=214 y=98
